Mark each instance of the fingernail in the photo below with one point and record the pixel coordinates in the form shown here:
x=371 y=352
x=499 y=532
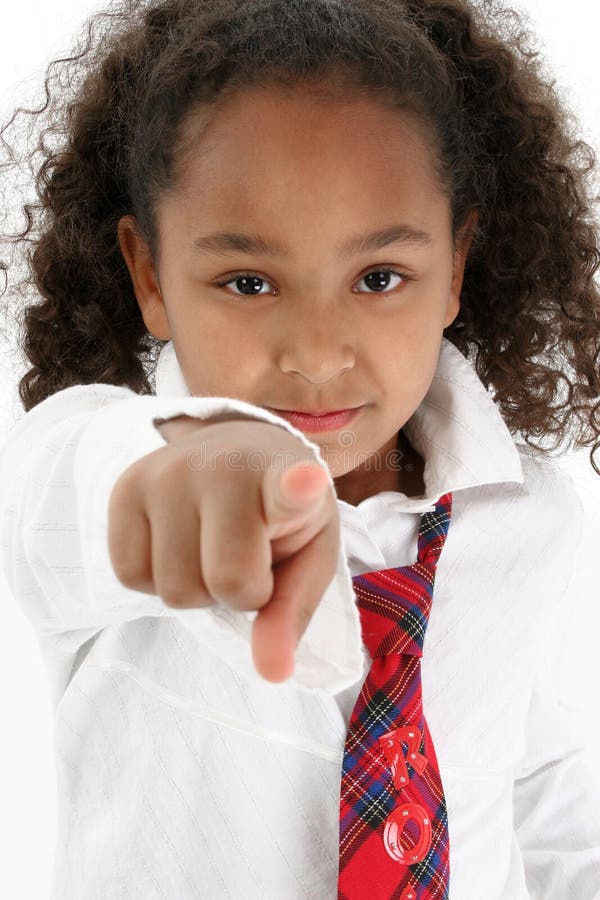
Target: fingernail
x=316 y=486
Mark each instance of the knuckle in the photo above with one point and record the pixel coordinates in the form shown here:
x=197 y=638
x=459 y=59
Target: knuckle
x=129 y=484
x=228 y=585
x=223 y=580
x=179 y=594
x=236 y=588
x=129 y=573
x=167 y=469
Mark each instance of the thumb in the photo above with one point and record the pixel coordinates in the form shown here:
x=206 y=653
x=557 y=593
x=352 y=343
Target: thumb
x=293 y=490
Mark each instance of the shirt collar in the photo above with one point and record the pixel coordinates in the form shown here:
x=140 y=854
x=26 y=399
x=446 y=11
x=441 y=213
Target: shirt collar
x=457 y=429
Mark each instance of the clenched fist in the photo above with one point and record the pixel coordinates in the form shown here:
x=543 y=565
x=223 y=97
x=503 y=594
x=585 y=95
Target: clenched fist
x=263 y=534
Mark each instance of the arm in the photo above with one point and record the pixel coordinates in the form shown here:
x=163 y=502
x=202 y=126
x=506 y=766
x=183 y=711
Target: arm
x=556 y=796
x=57 y=470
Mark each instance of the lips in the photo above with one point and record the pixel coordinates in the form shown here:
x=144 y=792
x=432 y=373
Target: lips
x=313 y=412
x=312 y=422
x=316 y=413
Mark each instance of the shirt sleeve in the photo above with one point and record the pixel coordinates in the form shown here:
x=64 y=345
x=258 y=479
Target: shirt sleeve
x=556 y=796
x=57 y=470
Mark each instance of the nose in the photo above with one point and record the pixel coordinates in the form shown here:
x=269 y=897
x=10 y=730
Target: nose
x=318 y=353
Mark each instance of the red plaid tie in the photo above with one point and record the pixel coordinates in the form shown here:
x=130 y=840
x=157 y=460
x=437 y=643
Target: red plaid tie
x=394 y=842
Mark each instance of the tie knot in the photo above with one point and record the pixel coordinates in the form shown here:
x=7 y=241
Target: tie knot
x=394 y=604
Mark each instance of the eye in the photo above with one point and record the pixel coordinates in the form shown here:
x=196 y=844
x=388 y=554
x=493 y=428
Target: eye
x=377 y=279
x=250 y=283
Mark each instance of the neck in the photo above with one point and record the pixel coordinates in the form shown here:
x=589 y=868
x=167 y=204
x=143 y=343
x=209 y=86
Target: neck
x=357 y=485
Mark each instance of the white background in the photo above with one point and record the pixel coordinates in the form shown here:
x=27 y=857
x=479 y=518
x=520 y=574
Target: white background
x=33 y=34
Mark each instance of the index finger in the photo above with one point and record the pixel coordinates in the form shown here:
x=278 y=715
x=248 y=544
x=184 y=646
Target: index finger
x=299 y=584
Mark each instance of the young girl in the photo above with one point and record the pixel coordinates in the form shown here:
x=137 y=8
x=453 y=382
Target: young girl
x=255 y=210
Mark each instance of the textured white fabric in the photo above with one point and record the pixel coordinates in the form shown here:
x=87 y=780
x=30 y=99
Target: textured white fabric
x=183 y=774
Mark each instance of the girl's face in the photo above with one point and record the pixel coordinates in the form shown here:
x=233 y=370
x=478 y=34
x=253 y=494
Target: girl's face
x=308 y=318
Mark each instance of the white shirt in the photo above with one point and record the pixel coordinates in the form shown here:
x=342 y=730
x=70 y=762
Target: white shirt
x=183 y=774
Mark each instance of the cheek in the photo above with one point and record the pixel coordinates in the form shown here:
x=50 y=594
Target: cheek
x=407 y=360
x=425 y=317
x=219 y=364
x=396 y=345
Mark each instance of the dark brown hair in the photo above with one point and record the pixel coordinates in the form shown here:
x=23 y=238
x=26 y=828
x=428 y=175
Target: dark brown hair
x=503 y=141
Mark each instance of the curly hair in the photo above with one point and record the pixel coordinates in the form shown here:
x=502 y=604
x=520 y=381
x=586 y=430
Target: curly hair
x=503 y=141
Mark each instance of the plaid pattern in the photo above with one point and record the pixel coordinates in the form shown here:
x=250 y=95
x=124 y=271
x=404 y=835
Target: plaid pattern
x=394 y=842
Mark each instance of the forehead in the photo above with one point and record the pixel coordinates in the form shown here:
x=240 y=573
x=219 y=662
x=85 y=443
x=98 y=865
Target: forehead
x=278 y=145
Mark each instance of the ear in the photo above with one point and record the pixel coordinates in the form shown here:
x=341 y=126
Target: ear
x=463 y=243
x=145 y=284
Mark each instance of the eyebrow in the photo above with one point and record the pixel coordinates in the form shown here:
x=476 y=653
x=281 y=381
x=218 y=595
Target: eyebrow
x=223 y=242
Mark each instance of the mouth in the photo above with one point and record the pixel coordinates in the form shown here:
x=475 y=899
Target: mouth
x=317 y=420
